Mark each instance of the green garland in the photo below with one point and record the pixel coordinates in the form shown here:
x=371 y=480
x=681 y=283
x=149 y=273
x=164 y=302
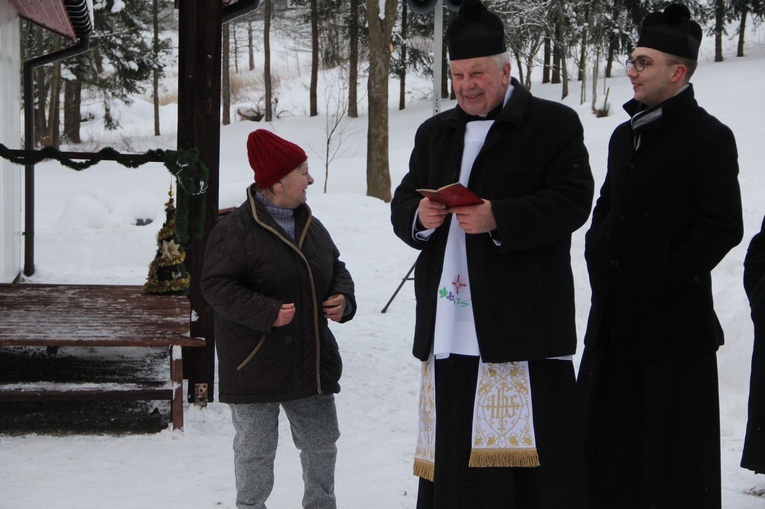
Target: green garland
x=191 y=175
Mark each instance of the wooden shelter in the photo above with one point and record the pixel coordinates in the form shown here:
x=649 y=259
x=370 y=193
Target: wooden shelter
x=199 y=102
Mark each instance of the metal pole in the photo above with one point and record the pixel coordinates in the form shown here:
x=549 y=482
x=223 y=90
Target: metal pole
x=438 y=33
x=404 y=280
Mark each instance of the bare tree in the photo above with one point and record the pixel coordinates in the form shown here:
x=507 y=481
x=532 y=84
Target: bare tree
x=72 y=114
x=402 y=67
x=719 y=29
x=54 y=133
x=380 y=31
x=314 y=57
x=226 y=75
x=250 y=49
x=744 y=9
x=337 y=124
x=353 y=61
x=267 y=58
x=526 y=24
x=156 y=72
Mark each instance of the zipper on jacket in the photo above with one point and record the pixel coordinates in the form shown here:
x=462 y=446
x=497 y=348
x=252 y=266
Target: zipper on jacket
x=297 y=248
x=252 y=354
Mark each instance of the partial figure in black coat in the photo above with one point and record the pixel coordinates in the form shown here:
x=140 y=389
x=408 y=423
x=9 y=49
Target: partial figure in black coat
x=754 y=285
x=494 y=285
x=668 y=212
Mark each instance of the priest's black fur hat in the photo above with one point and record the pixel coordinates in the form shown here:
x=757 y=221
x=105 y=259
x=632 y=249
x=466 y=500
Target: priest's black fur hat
x=672 y=31
x=475 y=32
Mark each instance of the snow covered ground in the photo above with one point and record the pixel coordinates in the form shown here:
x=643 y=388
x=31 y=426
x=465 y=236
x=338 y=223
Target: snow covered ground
x=85 y=235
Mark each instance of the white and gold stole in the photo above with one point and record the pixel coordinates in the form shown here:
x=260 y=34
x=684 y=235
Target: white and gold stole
x=503 y=419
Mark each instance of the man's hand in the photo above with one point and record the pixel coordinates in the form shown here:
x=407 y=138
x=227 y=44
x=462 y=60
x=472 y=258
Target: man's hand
x=334 y=307
x=431 y=213
x=475 y=218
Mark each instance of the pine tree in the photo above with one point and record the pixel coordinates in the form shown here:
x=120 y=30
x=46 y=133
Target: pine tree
x=167 y=272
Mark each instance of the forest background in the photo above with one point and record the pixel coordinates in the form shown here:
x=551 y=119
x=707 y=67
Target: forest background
x=86 y=234
x=134 y=54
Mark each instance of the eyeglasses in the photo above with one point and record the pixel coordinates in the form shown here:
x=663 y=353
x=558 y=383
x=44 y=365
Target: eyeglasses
x=641 y=63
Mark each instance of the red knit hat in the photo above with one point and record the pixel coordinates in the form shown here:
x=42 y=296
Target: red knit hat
x=271 y=157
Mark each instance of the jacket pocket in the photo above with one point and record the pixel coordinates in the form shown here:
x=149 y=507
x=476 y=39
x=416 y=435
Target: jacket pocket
x=252 y=354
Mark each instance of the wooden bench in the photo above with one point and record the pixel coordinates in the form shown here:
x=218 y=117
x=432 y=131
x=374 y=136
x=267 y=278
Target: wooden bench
x=96 y=316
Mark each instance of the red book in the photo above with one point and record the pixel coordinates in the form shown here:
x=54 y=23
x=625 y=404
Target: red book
x=453 y=195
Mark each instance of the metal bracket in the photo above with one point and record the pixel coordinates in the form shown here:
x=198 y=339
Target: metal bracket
x=200 y=394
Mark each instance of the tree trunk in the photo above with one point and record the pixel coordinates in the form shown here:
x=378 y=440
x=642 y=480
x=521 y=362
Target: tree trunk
x=353 y=61
x=583 y=68
x=233 y=38
x=267 y=58
x=564 y=73
x=519 y=68
x=719 y=29
x=380 y=30
x=155 y=77
x=72 y=117
x=447 y=91
x=226 y=74
x=98 y=60
x=556 y=57
x=612 y=47
x=41 y=99
x=315 y=58
x=250 y=48
x=595 y=77
x=402 y=72
x=741 y=32
x=547 y=60
x=68 y=116
x=54 y=132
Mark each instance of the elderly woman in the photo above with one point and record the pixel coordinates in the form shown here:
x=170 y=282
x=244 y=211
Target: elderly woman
x=754 y=284
x=274 y=278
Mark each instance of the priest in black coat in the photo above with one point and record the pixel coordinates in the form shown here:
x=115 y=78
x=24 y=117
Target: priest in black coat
x=668 y=212
x=754 y=284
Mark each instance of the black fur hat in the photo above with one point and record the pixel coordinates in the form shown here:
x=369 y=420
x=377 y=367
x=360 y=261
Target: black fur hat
x=672 y=31
x=475 y=32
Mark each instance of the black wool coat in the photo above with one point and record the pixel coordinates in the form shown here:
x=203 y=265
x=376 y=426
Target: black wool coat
x=667 y=215
x=754 y=283
x=534 y=168
x=251 y=268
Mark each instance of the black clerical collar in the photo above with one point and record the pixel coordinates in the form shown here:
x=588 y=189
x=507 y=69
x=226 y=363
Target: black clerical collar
x=492 y=115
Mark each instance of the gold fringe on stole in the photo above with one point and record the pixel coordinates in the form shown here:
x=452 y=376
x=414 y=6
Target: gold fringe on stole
x=504 y=458
x=424 y=469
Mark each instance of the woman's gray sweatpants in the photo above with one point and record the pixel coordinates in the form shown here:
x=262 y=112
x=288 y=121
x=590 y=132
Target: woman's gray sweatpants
x=313 y=422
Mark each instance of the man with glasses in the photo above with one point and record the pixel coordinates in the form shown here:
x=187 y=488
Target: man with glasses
x=669 y=210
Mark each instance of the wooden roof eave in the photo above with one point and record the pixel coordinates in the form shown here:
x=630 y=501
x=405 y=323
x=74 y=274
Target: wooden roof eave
x=71 y=19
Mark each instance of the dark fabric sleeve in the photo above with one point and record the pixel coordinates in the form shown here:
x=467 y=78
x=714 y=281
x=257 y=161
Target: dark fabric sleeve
x=343 y=284
x=719 y=227
x=754 y=269
x=406 y=198
x=223 y=283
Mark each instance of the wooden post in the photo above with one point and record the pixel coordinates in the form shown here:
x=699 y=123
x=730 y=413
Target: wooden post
x=176 y=377
x=199 y=103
